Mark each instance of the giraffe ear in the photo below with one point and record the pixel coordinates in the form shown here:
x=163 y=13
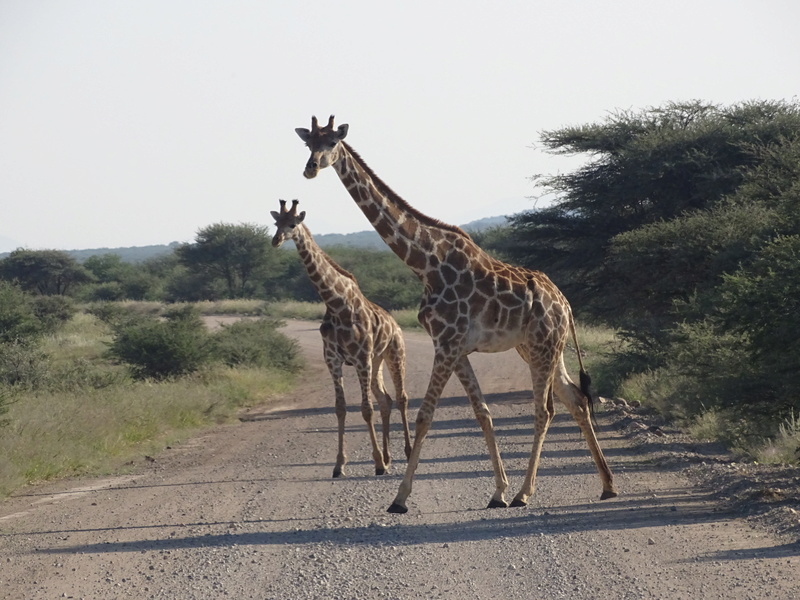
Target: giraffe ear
x=341 y=131
x=304 y=133
x=301 y=216
x=274 y=214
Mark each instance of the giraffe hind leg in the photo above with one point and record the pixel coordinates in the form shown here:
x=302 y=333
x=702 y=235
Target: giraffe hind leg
x=396 y=363
x=385 y=406
x=578 y=405
x=364 y=371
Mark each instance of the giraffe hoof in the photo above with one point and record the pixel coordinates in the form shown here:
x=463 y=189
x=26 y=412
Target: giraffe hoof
x=338 y=472
x=516 y=502
x=497 y=504
x=380 y=471
x=608 y=494
x=397 y=509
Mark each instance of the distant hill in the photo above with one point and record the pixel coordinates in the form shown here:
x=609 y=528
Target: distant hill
x=368 y=239
x=132 y=254
x=485 y=223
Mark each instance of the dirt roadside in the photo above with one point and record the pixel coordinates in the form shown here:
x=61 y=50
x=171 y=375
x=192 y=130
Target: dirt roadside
x=249 y=510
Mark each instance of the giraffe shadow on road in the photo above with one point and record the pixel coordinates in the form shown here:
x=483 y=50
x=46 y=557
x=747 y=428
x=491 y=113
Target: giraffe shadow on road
x=682 y=508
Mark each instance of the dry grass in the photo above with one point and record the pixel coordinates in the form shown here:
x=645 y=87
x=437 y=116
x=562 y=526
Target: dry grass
x=784 y=448
x=407 y=319
x=86 y=415
x=92 y=431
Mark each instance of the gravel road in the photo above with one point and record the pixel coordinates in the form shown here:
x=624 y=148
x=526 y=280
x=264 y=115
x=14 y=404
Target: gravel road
x=249 y=510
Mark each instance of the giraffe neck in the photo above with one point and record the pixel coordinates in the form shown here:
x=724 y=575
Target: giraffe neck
x=410 y=234
x=331 y=281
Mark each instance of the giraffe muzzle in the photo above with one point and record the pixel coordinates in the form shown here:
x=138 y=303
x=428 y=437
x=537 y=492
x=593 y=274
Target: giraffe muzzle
x=312 y=168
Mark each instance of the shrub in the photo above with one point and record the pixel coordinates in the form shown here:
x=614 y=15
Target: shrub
x=160 y=349
x=111 y=313
x=17 y=317
x=53 y=311
x=22 y=364
x=784 y=448
x=256 y=343
x=103 y=292
x=5 y=401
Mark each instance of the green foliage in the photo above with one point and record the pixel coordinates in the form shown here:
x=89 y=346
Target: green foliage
x=119 y=280
x=762 y=301
x=494 y=240
x=18 y=319
x=43 y=271
x=646 y=167
x=161 y=349
x=234 y=254
x=53 y=311
x=23 y=317
x=783 y=447
x=66 y=409
x=23 y=364
x=382 y=277
x=682 y=231
x=256 y=343
x=5 y=402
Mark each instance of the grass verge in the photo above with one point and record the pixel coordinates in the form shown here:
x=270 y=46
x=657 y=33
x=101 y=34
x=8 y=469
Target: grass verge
x=96 y=431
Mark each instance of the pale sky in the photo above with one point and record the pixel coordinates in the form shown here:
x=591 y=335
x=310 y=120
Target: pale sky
x=138 y=122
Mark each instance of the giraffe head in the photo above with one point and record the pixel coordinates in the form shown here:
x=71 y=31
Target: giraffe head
x=286 y=223
x=323 y=143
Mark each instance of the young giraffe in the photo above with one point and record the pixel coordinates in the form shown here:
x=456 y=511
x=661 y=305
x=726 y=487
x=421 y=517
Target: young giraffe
x=471 y=303
x=354 y=332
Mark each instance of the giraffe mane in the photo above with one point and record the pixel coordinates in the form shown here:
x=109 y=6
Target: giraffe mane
x=339 y=268
x=387 y=191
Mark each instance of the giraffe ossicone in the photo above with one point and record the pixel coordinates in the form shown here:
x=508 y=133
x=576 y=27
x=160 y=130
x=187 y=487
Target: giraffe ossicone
x=356 y=332
x=471 y=302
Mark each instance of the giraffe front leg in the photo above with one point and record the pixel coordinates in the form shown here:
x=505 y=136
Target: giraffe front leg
x=442 y=369
x=341 y=413
x=470 y=382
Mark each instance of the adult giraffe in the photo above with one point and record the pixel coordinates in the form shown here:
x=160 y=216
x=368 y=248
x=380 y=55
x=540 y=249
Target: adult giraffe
x=354 y=332
x=471 y=303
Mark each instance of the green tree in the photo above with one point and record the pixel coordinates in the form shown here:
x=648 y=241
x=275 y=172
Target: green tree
x=45 y=272
x=18 y=320
x=643 y=168
x=236 y=254
x=382 y=277
x=118 y=280
x=683 y=231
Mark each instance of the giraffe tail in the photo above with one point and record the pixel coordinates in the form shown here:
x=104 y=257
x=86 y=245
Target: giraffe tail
x=586 y=381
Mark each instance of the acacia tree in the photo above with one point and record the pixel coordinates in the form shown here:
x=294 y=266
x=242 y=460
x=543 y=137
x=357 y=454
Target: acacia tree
x=682 y=231
x=47 y=272
x=645 y=170
x=235 y=254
